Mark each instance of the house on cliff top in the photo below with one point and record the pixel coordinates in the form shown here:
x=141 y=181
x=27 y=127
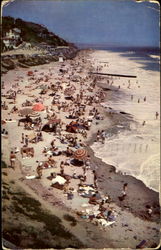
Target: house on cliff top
x=12 y=39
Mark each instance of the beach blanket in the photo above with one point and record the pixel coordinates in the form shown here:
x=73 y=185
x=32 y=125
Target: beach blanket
x=32 y=136
x=30 y=177
x=105 y=223
x=91 y=212
x=86 y=192
x=49 y=152
x=86 y=188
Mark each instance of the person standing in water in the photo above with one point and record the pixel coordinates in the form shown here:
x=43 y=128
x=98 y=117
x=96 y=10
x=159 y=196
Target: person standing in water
x=143 y=123
x=156 y=115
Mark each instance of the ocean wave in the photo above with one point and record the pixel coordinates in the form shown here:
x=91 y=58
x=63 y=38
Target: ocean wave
x=132 y=151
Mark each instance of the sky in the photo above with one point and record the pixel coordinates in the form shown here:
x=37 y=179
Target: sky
x=108 y=22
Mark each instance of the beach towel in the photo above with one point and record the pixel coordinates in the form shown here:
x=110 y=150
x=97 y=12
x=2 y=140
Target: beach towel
x=85 y=205
x=105 y=223
x=32 y=136
x=30 y=177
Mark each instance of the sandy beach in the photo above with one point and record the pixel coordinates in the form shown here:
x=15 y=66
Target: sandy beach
x=132 y=221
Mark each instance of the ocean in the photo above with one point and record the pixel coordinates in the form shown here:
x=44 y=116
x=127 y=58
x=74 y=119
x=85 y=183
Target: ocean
x=136 y=150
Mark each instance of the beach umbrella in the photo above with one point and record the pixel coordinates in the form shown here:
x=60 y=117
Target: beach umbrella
x=80 y=154
x=35 y=114
x=26 y=111
x=38 y=107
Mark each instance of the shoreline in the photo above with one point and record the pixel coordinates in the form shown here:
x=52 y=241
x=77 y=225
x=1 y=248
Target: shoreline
x=115 y=120
x=119 y=177
x=126 y=99
x=138 y=194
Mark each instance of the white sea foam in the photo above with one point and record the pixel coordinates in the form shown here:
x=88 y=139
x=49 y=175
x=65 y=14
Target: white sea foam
x=135 y=152
x=155 y=57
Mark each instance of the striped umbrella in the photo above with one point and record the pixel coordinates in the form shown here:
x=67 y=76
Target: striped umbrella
x=80 y=154
x=26 y=111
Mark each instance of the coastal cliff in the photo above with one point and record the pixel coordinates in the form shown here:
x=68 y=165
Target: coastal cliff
x=34 y=45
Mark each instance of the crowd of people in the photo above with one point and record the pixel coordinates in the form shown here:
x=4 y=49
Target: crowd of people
x=70 y=111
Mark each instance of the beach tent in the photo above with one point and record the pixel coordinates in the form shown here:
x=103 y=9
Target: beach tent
x=38 y=107
x=80 y=154
x=58 y=182
x=71 y=129
x=59 y=179
x=50 y=126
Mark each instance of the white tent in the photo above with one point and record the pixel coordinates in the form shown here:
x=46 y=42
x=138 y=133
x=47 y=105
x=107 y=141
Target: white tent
x=59 y=179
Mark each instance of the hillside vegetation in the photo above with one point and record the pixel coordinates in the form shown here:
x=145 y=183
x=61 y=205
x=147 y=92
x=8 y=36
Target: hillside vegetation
x=31 y=32
x=28 y=224
x=46 y=46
